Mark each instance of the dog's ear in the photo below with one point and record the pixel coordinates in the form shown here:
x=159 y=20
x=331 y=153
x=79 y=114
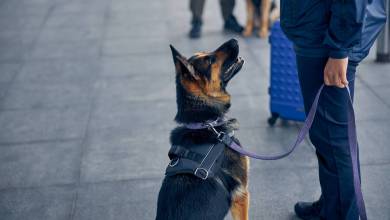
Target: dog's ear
x=182 y=65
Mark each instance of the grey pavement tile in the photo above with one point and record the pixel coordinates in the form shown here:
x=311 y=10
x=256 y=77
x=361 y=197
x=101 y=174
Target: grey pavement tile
x=134 y=46
x=136 y=88
x=85 y=6
x=12 y=51
x=384 y=94
x=368 y=106
x=8 y=71
x=17 y=22
x=373 y=143
x=43 y=124
x=131 y=30
x=59 y=72
x=152 y=114
x=276 y=140
x=374 y=74
x=78 y=19
x=39 y=164
x=261 y=52
x=250 y=81
x=275 y=191
x=146 y=64
x=23 y=37
x=70 y=34
x=376 y=191
x=148 y=6
x=126 y=18
x=20 y=8
x=37 y=203
x=3 y=90
x=250 y=110
x=135 y=153
x=134 y=199
x=46 y=95
x=88 y=49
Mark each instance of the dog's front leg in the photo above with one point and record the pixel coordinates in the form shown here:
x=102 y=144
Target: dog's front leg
x=264 y=18
x=240 y=204
x=250 y=14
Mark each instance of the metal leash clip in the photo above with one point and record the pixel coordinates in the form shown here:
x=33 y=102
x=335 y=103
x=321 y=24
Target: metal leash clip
x=219 y=134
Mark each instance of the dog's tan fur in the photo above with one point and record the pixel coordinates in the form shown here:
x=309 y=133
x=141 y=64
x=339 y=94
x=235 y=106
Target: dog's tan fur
x=266 y=17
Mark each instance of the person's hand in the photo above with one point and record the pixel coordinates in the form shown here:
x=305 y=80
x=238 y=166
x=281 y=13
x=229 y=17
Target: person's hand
x=335 y=72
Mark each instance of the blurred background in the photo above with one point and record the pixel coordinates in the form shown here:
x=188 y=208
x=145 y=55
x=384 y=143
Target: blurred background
x=87 y=101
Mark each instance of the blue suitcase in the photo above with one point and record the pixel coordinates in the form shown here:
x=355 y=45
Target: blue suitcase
x=285 y=95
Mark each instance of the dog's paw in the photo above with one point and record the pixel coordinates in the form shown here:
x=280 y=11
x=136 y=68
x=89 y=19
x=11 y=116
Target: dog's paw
x=263 y=33
x=247 y=32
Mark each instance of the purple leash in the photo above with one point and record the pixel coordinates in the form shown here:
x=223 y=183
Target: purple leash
x=352 y=140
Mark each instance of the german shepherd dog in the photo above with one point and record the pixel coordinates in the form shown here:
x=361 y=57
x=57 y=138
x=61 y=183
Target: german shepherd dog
x=260 y=13
x=201 y=84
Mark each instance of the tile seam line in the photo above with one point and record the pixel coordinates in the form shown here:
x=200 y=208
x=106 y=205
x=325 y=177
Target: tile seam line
x=30 y=48
x=373 y=91
x=93 y=101
x=82 y=184
x=152 y=178
x=42 y=141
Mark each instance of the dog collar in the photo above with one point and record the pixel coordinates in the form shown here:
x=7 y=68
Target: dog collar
x=207 y=124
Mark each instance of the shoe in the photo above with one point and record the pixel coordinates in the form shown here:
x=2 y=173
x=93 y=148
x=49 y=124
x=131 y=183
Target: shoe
x=196 y=29
x=308 y=210
x=232 y=25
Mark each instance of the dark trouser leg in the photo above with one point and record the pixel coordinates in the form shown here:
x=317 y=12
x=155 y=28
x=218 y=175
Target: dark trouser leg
x=329 y=135
x=196 y=7
x=227 y=7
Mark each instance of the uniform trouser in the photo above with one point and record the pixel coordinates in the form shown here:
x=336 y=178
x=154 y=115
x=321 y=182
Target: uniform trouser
x=329 y=135
x=197 y=6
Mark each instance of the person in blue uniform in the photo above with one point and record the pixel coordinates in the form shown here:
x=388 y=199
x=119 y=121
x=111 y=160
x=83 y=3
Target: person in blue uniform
x=330 y=38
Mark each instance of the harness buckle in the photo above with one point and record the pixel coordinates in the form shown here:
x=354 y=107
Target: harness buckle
x=201 y=173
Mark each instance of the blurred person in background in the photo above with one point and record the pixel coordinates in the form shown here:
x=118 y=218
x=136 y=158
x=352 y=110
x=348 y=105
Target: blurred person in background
x=227 y=7
x=330 y=38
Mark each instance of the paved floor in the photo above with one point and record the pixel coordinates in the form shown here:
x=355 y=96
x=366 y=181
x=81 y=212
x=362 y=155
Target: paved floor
x=87 y=101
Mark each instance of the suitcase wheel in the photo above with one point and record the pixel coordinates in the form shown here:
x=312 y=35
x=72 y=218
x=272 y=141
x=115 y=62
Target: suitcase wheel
x=272 y=120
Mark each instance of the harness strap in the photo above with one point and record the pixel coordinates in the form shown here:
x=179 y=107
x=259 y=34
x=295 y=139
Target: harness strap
x=202 y=165
x=209 y=160
x=177 y=151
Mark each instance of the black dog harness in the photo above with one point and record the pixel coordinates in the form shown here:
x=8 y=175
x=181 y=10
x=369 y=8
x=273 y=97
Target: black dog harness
x=203 y=160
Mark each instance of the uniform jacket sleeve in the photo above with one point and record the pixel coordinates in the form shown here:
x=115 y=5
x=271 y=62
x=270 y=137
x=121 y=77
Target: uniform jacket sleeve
x=345 y=26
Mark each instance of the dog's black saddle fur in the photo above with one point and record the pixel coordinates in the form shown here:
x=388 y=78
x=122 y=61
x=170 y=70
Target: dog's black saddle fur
x=201 y=160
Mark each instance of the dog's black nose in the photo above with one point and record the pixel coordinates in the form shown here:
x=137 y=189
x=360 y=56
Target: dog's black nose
x=233 y=42
x=230 y=45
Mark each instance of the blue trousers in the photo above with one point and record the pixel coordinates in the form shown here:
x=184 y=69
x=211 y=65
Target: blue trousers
x=329 y=135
